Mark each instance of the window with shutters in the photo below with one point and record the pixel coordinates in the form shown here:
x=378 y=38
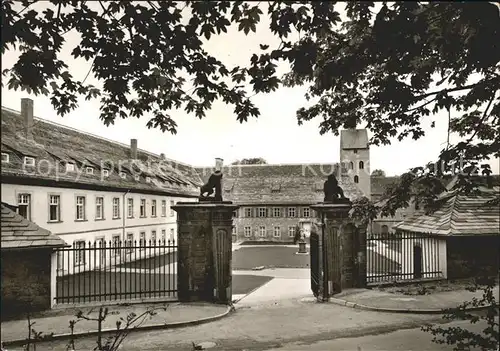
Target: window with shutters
x=248 y=212
x=262 y=212
x=291 y=231
x=277 y=212
x=306 y=212
x=292 y=212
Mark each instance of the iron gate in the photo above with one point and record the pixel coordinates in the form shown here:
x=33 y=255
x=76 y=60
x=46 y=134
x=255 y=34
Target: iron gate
x=315 y=273
x=116 y=271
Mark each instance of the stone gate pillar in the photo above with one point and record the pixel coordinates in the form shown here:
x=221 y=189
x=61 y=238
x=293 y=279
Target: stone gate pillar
x=344 y=247
x=204 y=251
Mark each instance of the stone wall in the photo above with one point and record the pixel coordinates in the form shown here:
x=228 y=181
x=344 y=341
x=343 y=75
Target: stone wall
x=25 y=281
x=468 y=256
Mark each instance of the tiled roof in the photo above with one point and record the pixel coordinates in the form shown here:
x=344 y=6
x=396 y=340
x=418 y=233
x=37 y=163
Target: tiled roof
x=354 y=139
x=278 y=184
x=459 y=215
x=58 y=144
x=19 y=233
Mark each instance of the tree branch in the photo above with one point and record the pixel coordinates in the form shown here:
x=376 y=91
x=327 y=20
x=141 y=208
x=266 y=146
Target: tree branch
x=485 y=114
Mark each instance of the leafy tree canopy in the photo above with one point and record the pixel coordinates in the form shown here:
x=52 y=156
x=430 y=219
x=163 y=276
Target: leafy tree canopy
x=383 y=67
x=250 y=161
x=378 y=173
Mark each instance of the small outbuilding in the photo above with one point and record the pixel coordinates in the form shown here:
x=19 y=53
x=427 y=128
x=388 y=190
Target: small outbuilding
x=466 y=230
x=26 y=264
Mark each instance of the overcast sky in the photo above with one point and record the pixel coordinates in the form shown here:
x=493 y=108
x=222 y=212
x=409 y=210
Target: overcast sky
x=274 y=136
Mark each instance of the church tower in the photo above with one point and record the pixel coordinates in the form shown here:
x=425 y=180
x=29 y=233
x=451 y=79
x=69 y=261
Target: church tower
x=355 y=158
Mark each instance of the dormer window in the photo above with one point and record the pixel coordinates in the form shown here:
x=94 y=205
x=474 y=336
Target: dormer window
x=105 y=173
x=70 y=167
x=89 y=170
x=29 y=161
x=148 y=179
x=123 y=175
x=137 y=177
x=5 y=157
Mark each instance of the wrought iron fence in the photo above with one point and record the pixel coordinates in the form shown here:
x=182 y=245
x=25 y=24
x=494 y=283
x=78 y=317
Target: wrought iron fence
x=404 y=256
x=116 y=271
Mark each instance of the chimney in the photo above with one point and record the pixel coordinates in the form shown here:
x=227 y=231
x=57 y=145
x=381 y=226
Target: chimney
x=27 y=116
x=162 y=156
x=133 y=149
x=218 y=164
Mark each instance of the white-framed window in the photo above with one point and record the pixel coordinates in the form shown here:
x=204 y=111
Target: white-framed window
x=101 y=243
x=123 y=175
x=143 y=208
x=153 y=237
x=29 y=161
x=262 y=231
x=248 y=212
x=99 y=207
x=137 y=177
x=277 y=232
x=5 y=157
x=142 y=240
x=172 y=234
x=116 y=207
x=80 y=208
x=79 y=252
x=89 y=170
x=105 y=172
x=153 y=208
x=130 y=242
x=70 y=167
x=291 y=212
x=130 y=208
x=306 y=212
x=24 y=205
x=116 y=244
x=262 y=212
x=235 y=230
x=172 y=212
x=247 y=231
x=291 y=231
x=163 y=236
x=164 y=208
x=277 y=212
x=54 y=208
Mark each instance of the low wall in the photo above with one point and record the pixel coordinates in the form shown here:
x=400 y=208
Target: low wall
x=25 y=281
x=469 y=256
